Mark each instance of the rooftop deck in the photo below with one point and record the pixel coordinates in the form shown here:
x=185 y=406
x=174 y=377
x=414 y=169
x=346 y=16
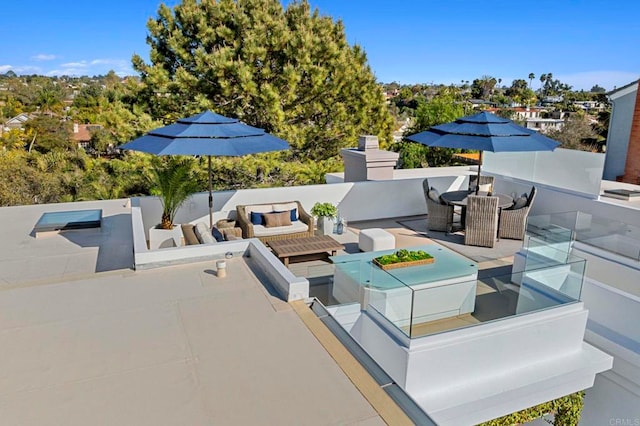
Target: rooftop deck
x=85 y=330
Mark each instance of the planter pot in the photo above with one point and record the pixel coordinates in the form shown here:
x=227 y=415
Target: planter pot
x=325 y=226
x=163 y=238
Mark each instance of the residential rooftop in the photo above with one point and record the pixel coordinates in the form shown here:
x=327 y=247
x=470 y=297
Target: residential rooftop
x=93 y=339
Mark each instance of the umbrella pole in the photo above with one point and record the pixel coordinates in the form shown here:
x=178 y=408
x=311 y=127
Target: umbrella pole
x=210 y=196
x=479 y=167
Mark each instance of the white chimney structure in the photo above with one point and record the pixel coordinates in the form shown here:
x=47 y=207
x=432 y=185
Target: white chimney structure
x=368 y=161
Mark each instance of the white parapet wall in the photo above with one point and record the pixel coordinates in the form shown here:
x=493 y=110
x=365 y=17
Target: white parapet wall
x=289 y=286
x=481 y=372
x=356 y=201
x=611 y=292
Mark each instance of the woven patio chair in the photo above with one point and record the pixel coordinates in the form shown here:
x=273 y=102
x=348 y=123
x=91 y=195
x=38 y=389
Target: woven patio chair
x=481 y=227
x=439 y=214
x=484 y=180
x=513 y=220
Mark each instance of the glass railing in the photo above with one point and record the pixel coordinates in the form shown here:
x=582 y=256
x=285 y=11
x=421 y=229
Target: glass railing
x=610 y=235
x=574 y=170
x=563 y=228
x=549 y=279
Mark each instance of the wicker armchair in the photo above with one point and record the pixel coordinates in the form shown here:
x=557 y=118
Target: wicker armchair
x=512 y=222
x=484 y=180
x=245 y=224
x=481 y=226
x=439 y=216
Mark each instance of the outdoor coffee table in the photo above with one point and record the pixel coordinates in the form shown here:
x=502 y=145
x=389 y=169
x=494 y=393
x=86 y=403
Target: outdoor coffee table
x=307 y=248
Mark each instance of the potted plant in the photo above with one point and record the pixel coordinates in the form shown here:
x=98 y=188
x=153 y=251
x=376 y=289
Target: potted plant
x=326 y=214
x=174 y=183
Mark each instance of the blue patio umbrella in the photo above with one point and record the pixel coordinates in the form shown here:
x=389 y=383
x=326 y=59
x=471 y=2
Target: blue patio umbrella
x=484 y=132
x=207 y=134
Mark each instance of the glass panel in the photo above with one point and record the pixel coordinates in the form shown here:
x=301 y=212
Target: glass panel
x=578 y=171
x=559 y=228
x=610 y=235
x=390 y=297
x=557 y=277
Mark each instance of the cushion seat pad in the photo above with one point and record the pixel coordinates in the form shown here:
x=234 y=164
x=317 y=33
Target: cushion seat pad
x=296 y=226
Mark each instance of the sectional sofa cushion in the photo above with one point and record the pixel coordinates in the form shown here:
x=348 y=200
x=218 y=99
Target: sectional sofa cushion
x=189 y=234
x=296 y=226
x=203 y=233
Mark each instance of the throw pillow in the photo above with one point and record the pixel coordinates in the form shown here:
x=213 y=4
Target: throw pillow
x=293 y=213
x=485 y=187
x=217 y=234
x=273 y=220
x=231 y=234
x=189 y=235
x=434 y=195
x=257 y=218
x=281 y=207
x=519 y=203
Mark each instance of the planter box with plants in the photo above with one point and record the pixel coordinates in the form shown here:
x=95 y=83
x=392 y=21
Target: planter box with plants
x=402 y=259
x=174 y=183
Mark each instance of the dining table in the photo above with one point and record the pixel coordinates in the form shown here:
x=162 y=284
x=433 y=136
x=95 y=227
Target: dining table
x=459 y=198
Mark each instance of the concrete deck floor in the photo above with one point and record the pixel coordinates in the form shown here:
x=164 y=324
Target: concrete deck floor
x=86 y=340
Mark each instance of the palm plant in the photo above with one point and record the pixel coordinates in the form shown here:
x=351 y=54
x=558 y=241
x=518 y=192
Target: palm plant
x=175 y=183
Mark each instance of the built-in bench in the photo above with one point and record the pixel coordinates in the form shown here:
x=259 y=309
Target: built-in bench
x=200 y=234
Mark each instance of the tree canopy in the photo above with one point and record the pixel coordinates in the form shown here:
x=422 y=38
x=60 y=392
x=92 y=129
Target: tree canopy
x=289 y=71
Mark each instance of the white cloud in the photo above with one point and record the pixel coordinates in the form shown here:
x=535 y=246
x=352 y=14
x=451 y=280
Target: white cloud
x=80 y=64
x=43 y=57
x=105 y=61
x=98 y=66
x=25 y=69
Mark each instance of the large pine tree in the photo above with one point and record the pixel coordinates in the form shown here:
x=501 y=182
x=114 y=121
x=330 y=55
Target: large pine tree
x=291 y=72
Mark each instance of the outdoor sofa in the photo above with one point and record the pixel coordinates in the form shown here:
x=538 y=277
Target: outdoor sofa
x=275 y=221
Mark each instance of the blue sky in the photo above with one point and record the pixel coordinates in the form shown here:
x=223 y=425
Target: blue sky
x=412 y=41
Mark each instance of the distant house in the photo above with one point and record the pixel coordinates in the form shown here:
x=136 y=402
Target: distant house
x=590 y=105
x=82 y=134
x=477 y=103
x=552 y=99
x=522 y=113
x=622 y=157
x=543 y=125
x=389 y=94
x=18 y=121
